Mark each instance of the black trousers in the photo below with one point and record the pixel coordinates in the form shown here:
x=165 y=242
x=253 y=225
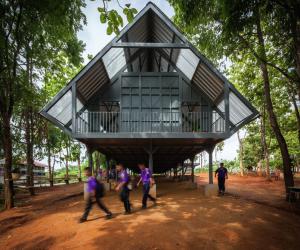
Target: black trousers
x=146 y=195
x=221 y=184
x=124 y=196
x=89 y=204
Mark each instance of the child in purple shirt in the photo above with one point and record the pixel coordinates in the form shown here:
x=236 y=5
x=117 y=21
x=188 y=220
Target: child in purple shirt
x=94 y=188
x=123 y=186
x=146 y=178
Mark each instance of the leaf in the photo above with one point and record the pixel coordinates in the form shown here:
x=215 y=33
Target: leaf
x=120 y=20
x=101 y=9
x=134 y=11
x=130 y=17
x=128 y=5
x=103 y=18
x=109 y=30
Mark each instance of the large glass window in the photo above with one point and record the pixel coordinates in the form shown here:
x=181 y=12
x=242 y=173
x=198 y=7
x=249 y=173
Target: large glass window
x=187 y=62
x=62 y=109
x=238 y=111
x=114 y=60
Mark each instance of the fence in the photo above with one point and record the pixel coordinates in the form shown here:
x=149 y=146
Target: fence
x=152 y=122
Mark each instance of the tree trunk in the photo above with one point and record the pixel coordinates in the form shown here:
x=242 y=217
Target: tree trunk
x=241 y=153
x=79 y=168
x=294 y=101
x=67 y=169
x=288 y=175
x=52 y=172
x=49 y=165
x=7 y=145
x=29 y=151
x=259 y=168
x=264 y=143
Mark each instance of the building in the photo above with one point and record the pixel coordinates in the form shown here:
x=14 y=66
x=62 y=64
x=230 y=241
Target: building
x=150 y=95
x=38 y=169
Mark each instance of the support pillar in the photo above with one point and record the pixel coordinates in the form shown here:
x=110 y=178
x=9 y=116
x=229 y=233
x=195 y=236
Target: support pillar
x=150 y=152
x=210 y=164
x=151 y=161
x=107 y=169
x=193 y=173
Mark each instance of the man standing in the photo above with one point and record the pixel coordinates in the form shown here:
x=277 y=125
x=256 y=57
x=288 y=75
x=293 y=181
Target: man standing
x=123 y=186
x=94 y=188
x=222 y=175
x=146 y=178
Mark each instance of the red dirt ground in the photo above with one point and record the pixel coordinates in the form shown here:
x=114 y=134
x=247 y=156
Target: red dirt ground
x=253 y=215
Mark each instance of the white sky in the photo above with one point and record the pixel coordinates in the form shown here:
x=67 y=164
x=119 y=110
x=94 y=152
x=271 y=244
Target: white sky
x=95 y=37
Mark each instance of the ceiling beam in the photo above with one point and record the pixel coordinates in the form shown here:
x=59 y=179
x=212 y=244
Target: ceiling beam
x=150 y=45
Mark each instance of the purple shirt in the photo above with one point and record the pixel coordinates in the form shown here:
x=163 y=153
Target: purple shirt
x=124 y=177
x=92 y=184
x=222 y=172
x=146 y=175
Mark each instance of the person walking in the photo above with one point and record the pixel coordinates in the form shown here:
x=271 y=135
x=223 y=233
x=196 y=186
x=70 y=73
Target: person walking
x=222 y=175
x=94 y=189
x=122 y=186
x=146 y=178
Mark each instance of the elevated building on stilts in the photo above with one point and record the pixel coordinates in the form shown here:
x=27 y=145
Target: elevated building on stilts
x=150 y=96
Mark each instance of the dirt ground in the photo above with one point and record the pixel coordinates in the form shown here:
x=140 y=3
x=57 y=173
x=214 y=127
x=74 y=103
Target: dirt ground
x=253 y=215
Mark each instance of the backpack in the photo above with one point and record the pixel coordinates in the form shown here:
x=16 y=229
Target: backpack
x=100 y=190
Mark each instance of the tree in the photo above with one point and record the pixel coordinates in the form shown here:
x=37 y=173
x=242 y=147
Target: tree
x=235 y=27
x=50 y=24
x=219 y=148
x=241 y=153
x=113 y=19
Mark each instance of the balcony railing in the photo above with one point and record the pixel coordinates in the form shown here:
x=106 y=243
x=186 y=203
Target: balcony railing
x=151 y=122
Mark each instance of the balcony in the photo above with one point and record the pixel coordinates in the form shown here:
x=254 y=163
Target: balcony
x=149 y=122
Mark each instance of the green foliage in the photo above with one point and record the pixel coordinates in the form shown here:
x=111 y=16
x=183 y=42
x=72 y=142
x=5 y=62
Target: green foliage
x=113 y=19
x=226 y=31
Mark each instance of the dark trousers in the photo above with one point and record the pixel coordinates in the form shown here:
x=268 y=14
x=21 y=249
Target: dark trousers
x=124 y=196
x=221 y=184
x=146 y=195
x=89 y=204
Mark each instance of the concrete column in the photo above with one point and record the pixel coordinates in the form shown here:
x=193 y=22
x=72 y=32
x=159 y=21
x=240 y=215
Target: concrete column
x=107 y=169
x=210 y=166
x=193 y=174
x=151 y=160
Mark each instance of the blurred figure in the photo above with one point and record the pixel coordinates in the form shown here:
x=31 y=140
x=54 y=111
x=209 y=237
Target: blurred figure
x=146 y=178
x=122 y=186
x=94 y=189
x=222 y=175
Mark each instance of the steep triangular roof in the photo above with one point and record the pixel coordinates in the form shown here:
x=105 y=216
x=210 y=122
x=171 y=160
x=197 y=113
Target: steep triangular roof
x=150 y=26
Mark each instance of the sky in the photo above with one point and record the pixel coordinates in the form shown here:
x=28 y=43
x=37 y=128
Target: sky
x=95 y=38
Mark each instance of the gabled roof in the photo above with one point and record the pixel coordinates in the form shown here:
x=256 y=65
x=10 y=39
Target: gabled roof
x=151 y=28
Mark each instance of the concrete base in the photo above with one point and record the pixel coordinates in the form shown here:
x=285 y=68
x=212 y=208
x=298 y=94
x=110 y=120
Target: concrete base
x=211 y=190
x=153 y=191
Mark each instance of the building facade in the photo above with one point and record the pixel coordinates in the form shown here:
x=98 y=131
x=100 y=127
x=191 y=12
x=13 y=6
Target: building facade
x=151 y=96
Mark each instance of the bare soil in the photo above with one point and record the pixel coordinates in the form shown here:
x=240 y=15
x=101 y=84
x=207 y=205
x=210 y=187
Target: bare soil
x=253 y=215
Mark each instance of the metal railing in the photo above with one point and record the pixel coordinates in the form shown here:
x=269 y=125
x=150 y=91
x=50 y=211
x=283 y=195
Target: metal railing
x=151 y=122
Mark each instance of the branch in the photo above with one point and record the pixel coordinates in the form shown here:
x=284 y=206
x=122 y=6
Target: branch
x=257 y=56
